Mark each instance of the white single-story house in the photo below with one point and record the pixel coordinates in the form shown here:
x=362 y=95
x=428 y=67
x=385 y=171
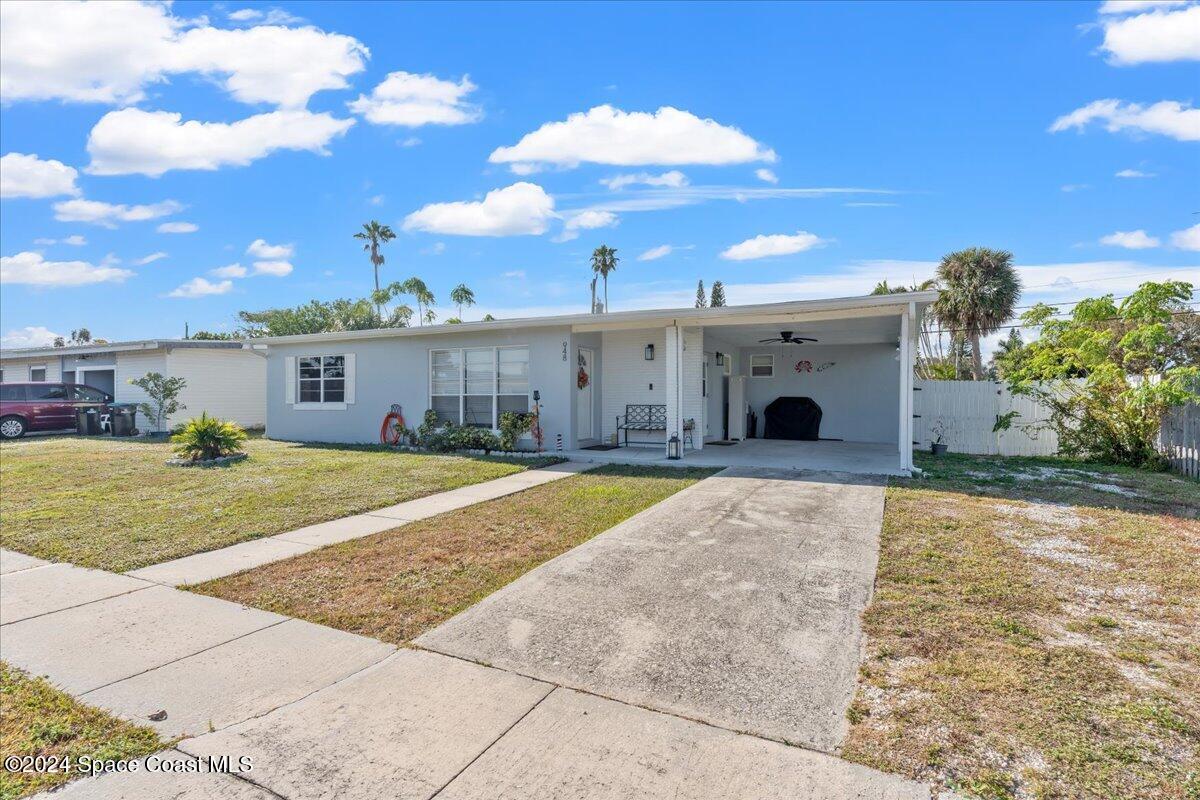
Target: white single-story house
x=223 y=377
x=693 y=373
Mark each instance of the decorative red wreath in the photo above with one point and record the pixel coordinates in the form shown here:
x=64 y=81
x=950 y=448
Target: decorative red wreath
x=583 y=380
x=803 y=366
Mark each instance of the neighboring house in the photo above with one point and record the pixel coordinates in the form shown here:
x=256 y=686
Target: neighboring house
x=223 y=378
x=706 y=367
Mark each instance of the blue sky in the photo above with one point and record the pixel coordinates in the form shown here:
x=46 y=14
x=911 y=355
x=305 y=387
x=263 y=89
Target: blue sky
x=791 y=151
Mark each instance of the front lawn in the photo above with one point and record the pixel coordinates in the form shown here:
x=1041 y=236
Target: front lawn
x=398 y=584
x=1035 y=632
x=114 y=504
x=38 y=720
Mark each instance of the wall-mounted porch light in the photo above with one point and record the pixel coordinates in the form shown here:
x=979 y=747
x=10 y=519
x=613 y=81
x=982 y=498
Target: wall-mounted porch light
x=649 y=352
x=720 y=359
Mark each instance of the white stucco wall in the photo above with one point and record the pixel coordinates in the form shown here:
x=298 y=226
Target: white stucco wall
x=629 y=378
x=858 y=396
x=230 y=384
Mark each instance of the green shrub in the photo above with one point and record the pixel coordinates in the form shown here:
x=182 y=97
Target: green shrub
x=204 y=438
x=512 y=426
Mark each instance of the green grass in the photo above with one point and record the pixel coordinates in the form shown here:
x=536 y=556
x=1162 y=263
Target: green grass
x=397 y=584
x=38 y=720
x=114 y=503
x=1035 y=632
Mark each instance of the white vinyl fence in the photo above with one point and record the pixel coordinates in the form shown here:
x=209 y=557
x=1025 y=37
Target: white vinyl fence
x=1180 y=439
x=969 y=410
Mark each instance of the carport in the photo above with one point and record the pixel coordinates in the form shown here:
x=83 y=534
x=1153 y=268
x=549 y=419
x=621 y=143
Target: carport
x=832 y=377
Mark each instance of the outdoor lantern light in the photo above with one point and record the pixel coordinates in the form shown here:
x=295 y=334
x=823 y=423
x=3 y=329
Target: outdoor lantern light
x=649 y=352
x=720 y=359
x=673 y=445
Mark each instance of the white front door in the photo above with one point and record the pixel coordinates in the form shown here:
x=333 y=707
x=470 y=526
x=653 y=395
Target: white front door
x=584 y=416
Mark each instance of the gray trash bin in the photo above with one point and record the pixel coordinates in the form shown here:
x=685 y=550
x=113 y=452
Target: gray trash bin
x=87 y=421
x=123 y=420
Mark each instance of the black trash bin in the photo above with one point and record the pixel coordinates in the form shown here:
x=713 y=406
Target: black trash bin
x=87 y=421
x=123 y=419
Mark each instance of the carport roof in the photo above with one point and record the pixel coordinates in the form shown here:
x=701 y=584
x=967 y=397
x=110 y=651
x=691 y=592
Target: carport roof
x=118 y=347
x=796 y=311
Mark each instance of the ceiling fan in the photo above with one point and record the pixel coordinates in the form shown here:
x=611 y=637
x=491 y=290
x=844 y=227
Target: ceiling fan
x=785 y=337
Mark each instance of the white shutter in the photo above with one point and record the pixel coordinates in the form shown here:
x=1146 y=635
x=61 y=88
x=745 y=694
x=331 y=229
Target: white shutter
x=289 y=380
x=349 y=377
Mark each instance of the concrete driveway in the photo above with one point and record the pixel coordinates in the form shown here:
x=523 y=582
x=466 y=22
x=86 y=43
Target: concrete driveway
x=735 y=602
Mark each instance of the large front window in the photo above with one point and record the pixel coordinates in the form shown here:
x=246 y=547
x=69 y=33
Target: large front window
x=475 y=385
x=322 y=379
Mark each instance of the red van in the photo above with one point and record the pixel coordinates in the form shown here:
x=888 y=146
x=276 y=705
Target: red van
x=44 y=406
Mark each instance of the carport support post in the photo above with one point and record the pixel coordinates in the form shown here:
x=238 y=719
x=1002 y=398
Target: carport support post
x=674 y=382
x=906 y=385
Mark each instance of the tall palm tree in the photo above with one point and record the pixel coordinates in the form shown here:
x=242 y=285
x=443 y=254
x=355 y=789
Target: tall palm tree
x=604 y=261
x=425 y=300
x=462 y=296
x=980 y=289
x=375 y=233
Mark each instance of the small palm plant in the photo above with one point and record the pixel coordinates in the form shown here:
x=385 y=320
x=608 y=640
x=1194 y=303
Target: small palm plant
x=204 y=438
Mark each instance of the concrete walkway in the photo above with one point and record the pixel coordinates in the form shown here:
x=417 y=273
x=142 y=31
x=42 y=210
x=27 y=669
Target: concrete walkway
x=325 y=714
x=735 y=602
x=247 y=555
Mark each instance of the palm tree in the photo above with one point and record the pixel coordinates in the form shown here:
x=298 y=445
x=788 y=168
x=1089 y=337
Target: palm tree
x=604 y=261
x=716 y=297
x=462 y=296
x=980 y=289
x=701 y=300
x=374 y=233
x=425 y=300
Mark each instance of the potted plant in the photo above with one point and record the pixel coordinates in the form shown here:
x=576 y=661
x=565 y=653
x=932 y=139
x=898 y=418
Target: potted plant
x=939 y=430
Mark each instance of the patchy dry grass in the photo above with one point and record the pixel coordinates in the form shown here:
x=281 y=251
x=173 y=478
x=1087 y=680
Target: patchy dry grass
x=114 y=504
x=38 y=720
x=1035 y=632
x=396 y=585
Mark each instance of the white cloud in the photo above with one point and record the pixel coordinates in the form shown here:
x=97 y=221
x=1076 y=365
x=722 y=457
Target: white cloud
x=779 y=244
x=1130 y=240
x=767 y=175
x=411 y=141
x=1132 y=6
x=45 y=241
x=1166 y=117
x=150 y=259
x=133 y=141
x=29 y=336
x=520 y=209
x=514 y=274
x=1156 y=36
x=75 y=240
x=673 y=179
x=32 y=269
x=1187 y=239
x=260 y=249
x=178 y=227
x=229 y=271
x=376 y=200
x=24 y=175
x=1134 y=173
x=1074 y=187
x=607 y=135
x=435 y=249
x=109 y=214
x=410 y=100
x=199 y=287
x=585 y=220
x=110 y=52
x=274 y=268
x=655 y=253
x=272 y=16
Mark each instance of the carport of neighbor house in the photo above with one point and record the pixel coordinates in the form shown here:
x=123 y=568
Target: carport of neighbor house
x=858 y=371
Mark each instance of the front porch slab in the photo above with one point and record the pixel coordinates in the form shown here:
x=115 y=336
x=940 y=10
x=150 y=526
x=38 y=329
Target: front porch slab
x=858 y=458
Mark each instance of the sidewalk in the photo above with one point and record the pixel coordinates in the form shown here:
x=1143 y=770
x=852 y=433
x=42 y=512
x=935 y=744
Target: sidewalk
x=247 y=555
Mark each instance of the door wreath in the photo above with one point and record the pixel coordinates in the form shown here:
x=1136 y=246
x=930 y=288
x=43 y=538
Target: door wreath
x=582 y=380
